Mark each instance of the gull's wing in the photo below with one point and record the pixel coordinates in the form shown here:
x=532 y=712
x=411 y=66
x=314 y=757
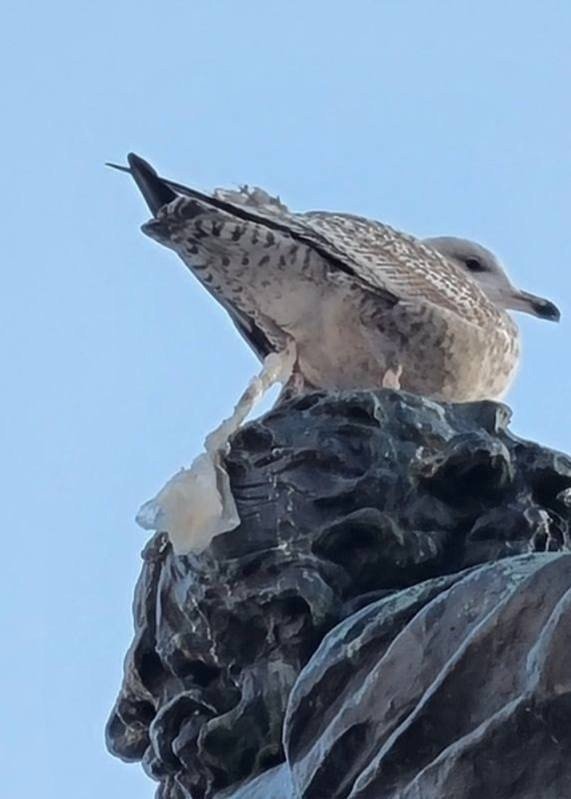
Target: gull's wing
x=158 y=191
x=396 y=262
x=382 y=259
x=382 y=262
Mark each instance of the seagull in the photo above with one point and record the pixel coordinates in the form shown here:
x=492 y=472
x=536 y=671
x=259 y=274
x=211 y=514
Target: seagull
x=362 y=303
x=336 y=301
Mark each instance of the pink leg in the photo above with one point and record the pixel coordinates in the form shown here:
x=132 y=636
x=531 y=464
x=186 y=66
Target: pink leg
x=391 y=378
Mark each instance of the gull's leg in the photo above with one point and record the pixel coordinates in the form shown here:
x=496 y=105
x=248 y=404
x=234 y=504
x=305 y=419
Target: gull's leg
x=391 y=378
x=197 y=503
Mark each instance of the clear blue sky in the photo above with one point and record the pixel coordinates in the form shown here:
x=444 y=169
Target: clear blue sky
x=439 y=117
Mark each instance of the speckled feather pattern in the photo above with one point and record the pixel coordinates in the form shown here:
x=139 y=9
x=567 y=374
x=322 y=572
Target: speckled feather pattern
x=358 y=297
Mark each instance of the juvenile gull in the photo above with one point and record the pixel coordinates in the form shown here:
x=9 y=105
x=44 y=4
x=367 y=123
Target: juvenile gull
x=337 y=301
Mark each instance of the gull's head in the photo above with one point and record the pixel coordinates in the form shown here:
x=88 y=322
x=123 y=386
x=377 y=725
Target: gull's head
x=486 y=270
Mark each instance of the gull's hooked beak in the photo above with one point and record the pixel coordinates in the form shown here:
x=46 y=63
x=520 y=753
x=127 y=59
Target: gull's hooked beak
x=531 y=304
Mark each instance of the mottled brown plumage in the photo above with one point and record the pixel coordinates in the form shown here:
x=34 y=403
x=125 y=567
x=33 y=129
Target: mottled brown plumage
x=365 y=305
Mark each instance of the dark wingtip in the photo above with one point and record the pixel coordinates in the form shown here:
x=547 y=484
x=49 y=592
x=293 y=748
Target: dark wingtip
x=153 y=188
x=137 y=163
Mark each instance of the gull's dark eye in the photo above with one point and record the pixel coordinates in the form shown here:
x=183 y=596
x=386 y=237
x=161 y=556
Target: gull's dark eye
x=474 y=265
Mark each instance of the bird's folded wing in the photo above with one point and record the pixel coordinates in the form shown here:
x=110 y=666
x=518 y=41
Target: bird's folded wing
x=275 y=216
x=396 y=262
x=380 y=260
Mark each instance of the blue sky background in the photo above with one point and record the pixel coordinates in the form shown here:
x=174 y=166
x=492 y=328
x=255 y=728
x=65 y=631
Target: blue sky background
x=437 y=117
